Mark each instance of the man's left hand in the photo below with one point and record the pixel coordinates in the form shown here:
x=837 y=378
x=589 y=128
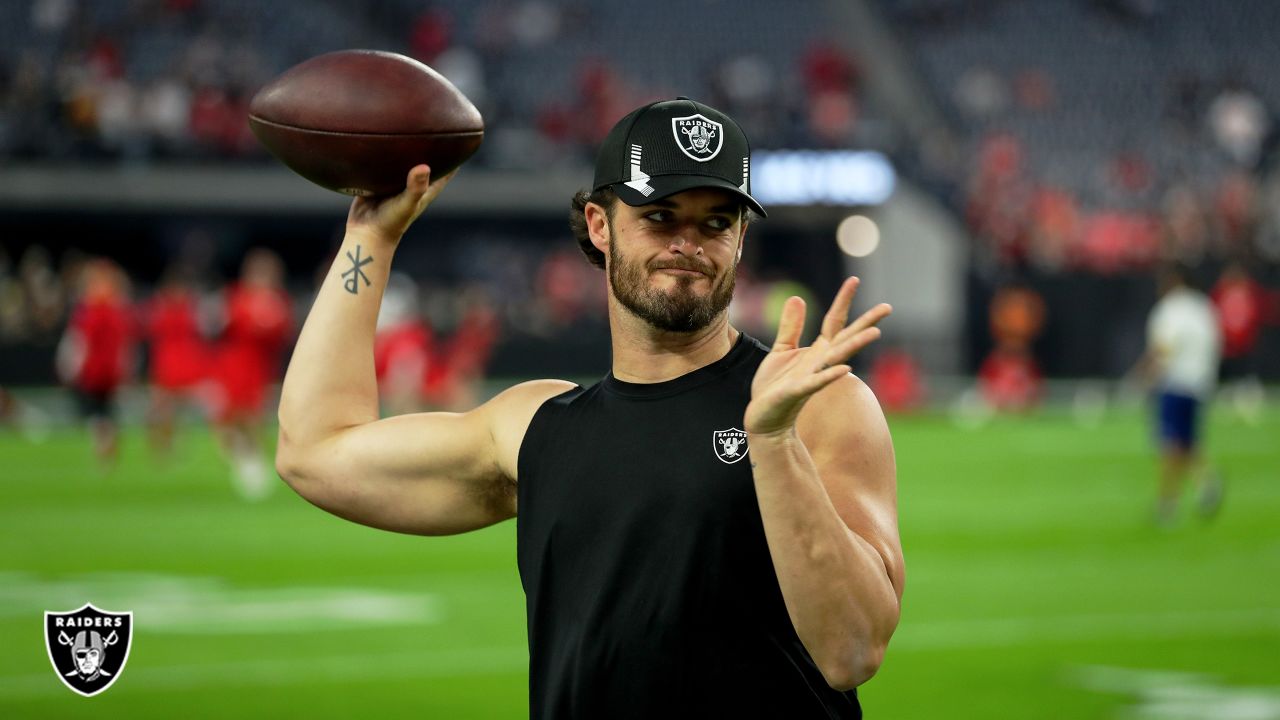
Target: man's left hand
x=791 y=374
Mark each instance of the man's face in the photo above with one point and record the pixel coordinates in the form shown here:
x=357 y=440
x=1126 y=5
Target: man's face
x=673 y=263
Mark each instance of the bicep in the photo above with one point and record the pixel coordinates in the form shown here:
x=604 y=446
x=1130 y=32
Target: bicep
x=424 y=473
x=848 y=438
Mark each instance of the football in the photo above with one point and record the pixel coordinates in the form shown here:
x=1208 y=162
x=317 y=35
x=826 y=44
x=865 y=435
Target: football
x=356 y=121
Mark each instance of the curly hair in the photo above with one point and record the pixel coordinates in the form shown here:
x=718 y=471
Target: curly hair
x=604 y=197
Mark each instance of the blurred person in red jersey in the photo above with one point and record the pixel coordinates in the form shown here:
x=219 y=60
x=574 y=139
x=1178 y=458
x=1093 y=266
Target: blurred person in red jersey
x=1009 y=377
x=454 y=383
x=1010 y=380
x=258 y=321
x=896 y=380
x=95 y=354
x=178 y=354
x=1241 y=305
x=402 y=347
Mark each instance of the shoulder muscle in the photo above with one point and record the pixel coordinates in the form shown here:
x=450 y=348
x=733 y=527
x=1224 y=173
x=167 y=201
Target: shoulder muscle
x=509 y=413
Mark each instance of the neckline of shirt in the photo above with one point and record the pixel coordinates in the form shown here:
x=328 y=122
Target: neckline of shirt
x=740 y=350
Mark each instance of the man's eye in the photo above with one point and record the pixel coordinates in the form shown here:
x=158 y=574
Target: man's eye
x=719 y=223
x=658 y=216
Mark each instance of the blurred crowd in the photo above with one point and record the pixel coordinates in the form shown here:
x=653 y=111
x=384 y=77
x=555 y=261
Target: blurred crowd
x=79 y=83
x=1094 y=141
x=1102 y=136
x=1079 y=146
x=1022 y=219
x=145 y=80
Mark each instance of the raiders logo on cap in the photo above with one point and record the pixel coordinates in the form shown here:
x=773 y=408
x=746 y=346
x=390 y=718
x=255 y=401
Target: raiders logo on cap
x=698 y=136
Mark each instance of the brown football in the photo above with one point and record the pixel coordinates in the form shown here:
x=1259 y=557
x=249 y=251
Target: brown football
x=356 y=121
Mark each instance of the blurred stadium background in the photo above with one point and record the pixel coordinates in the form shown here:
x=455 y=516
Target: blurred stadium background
x=1007 y=174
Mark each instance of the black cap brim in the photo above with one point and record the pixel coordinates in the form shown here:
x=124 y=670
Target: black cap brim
x=668 y=185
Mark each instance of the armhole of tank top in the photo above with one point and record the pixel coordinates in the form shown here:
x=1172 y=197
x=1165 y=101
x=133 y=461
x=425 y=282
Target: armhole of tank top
x=534 y=435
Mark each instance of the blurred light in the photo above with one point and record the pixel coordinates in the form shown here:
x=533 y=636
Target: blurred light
x=858 y=235
x=814 y=177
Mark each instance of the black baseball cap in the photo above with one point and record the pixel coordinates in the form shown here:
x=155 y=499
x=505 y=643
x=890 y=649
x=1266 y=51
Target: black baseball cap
x=672 y=146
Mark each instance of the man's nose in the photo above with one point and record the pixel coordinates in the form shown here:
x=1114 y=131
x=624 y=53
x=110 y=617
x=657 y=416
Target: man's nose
x=684 y=242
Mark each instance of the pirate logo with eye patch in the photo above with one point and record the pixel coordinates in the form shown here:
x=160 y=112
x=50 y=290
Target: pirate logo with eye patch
x=698 y=136
x=88 y=647
x=730 y=445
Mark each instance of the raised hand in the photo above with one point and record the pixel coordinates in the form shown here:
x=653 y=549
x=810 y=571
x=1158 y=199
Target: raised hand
x=791 y=374
x=389 y=217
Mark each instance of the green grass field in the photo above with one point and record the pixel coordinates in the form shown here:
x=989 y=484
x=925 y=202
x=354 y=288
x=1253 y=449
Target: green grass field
x=1037 y=588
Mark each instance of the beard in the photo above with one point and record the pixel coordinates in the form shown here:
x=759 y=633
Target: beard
x=679 y=309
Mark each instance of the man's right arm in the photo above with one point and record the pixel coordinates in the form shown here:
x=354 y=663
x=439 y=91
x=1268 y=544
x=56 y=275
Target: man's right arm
x=427 y=473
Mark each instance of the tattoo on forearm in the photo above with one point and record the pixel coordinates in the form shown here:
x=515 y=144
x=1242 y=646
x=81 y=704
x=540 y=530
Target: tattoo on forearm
x=355 y=273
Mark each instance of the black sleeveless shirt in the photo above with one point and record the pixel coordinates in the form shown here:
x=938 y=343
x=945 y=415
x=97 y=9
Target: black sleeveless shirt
x=649 y=585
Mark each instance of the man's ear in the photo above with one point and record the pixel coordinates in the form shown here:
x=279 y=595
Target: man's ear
x=597 y=226
x=742 y=241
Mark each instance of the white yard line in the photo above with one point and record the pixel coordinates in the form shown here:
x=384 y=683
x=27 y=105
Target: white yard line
x=210 y=606
x=1181 y=695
